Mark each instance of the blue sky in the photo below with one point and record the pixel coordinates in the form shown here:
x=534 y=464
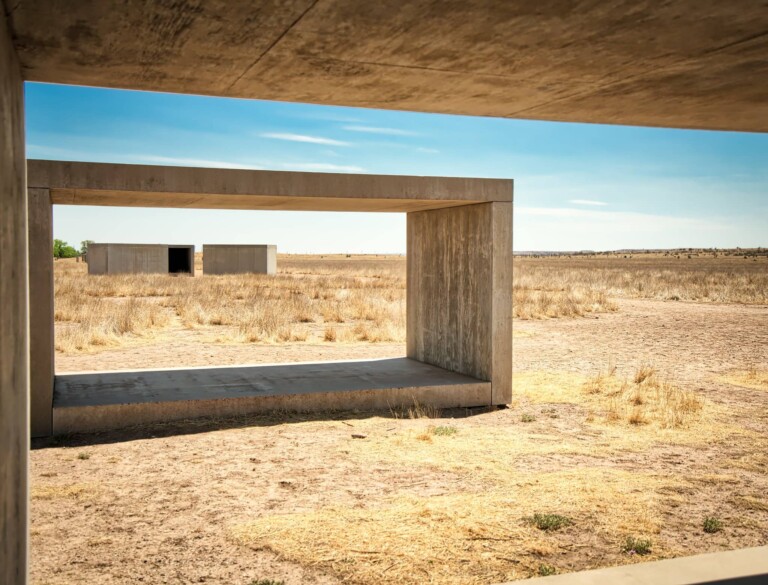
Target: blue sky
x=577 y=186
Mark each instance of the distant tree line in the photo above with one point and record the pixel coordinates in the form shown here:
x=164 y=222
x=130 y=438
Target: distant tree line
x=62 y=249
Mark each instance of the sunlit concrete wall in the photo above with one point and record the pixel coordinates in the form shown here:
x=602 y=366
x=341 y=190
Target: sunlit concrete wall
x=131 y=258
x=459 y=283
x=14 y=340
x=239 y=259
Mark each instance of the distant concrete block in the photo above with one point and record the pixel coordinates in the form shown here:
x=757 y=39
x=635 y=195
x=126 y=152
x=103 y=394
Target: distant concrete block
x=141 y=259
x=239 y=259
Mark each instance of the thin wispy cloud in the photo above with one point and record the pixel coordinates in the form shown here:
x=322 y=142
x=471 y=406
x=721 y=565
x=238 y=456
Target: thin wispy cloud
x=303 y=138
x=189 y=162
x=381 y=130
x=427 y=150
x=324 y=167
x=587 y=202
x=34 y=150
x=649 y=221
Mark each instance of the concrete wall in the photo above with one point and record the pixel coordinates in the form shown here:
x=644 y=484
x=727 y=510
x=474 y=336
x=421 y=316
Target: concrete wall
x=459 y=292
x=97 y=258
x=41 y=352
x=239 y=259
x=131 y=258
x=14 y=342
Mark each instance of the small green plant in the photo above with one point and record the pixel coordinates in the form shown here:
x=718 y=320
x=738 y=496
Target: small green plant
x=267 y=582
x=637 y=546
x=444 y=431
x=712 y=525
x=84 y=455
x=549 y=521
x=526 y=418
x=546 y=570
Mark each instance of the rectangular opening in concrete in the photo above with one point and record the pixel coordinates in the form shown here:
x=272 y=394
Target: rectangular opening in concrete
x=180 y=259
x=453 y=298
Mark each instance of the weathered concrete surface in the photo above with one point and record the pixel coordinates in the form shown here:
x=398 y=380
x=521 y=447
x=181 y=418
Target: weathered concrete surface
x=747 y=566
x=74 y=183
x=14 y=340
x=99 y=401
x=459 y=261
x=501 y=302
x=239 y=259
x=41 y=339
x=680 y=63
x=109 y=258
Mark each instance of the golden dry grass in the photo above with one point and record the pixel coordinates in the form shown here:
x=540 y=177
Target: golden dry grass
x=325 y=299
x=632 y=411
x=463 y=539
x=343 y=299
x=753 y=377
x=62 y=491
x=480 y=533
x=711 y=277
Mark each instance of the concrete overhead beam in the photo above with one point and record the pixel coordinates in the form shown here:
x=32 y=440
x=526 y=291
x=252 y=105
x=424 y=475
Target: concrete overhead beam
x=77 y=183
x=678 y=63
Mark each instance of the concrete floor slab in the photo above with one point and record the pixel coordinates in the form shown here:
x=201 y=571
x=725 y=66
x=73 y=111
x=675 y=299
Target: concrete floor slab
x=88 y=402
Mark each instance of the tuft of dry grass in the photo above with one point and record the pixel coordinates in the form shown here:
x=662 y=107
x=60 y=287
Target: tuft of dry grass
x=531 y=302
x=652 y=407
x=753 y=377
x=416 y=410
x=67 y=491
x=750 y=503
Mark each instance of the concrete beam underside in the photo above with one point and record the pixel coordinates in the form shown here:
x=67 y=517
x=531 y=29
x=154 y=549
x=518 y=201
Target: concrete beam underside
x=678 y=63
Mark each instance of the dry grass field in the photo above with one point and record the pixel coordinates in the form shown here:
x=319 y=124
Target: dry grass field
x=352 y=299
x=311 y=300
x=638 y=430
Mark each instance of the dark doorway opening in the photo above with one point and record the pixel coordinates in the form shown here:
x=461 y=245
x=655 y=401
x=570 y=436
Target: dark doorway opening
x=179 y=260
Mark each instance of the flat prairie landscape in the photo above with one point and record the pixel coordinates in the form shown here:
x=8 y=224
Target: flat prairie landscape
x=638 y=430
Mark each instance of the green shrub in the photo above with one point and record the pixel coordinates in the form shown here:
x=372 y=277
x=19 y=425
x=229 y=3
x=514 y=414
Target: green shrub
x=547 y=570
x=549 y=521
x=639 y=546
x=444 y=431
x=712 y=525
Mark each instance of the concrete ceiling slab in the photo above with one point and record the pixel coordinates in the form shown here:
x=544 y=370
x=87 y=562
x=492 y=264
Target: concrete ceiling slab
x=678 y=63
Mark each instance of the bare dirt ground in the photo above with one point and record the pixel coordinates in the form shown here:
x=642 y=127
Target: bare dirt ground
x=296 y=499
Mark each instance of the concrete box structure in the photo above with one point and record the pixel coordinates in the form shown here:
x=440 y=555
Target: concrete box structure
x=703 y=69
x=459 y=289
x=140 y=259
x=239 y=259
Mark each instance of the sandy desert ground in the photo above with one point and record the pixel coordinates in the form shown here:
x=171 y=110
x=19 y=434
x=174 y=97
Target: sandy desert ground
x=639 y=418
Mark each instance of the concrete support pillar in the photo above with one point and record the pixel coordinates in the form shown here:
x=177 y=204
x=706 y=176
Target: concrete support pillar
x=14 y=342
x=41 y=352
x=459 y=287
